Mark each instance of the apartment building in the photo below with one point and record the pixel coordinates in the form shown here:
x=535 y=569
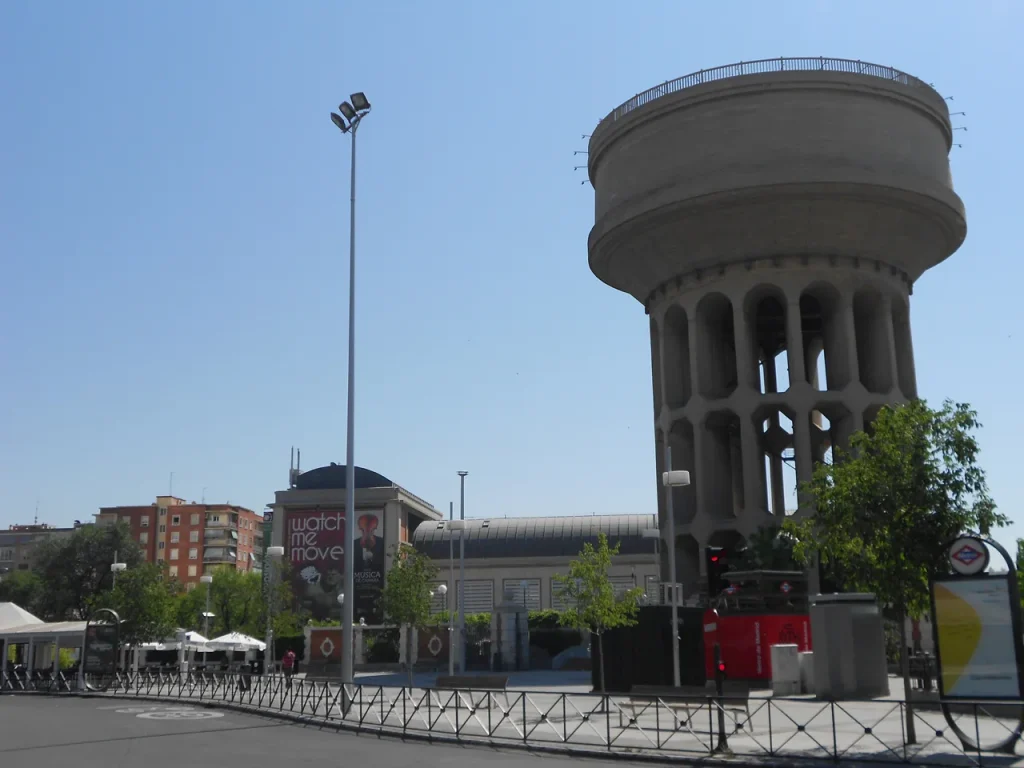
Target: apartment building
x=18 y=543
x=192 y=539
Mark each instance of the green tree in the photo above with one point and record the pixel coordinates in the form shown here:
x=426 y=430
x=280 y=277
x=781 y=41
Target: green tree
x=239 y=604
x=769 y=548
x=405 y=599
x=23 y=588
x=75 y=568
x=594 y=605
x=885 y=510
x=145 y=599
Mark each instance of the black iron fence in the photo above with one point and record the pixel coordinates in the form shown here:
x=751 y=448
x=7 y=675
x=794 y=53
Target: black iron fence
x=980 y=733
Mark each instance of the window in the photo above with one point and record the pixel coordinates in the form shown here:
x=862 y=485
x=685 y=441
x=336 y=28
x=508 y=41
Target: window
x=6 y=554
x=173 y=571
x=160 y=545
x=163 y=511
x=144 y=522
x=479 y=595
x=195 y=518
x=175 y=537
x=193 y=554
x=175 y=519
x=514 y=591
x=192 y=570
x=174 y=553
x=216 y=518
x=193 y=536
x=163 y=529
x=144 y=538
x=160 y=560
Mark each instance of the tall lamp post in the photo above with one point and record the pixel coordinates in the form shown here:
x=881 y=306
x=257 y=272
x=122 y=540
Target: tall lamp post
x=442 y=590
x=116 y=568
x=273 y=554
x=462 y=571
x=348 y=121
x=459 y=526
x=206 y=579
x=673 y=478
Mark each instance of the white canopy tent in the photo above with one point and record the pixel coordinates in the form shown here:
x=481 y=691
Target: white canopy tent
x=235 y=641
x=193 y=642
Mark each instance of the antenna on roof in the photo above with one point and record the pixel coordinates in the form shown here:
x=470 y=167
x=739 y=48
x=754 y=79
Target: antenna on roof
x=35 y=520
x=451 y=510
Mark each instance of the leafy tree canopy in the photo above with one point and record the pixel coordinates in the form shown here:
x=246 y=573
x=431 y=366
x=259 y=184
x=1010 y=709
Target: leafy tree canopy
x=886 y=509
x=75 y=568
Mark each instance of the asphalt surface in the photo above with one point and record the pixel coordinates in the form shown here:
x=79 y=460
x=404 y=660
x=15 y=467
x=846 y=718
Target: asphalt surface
x=40 y=731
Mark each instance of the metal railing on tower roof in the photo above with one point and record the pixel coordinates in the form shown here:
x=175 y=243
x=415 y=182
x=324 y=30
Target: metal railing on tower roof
x=764 y=66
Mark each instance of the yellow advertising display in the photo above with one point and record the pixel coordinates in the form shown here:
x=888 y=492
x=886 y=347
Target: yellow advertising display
x=977 y=647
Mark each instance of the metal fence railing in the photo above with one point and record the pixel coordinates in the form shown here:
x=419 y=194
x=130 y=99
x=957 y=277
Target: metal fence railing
x=762 y=66
x=751 y=727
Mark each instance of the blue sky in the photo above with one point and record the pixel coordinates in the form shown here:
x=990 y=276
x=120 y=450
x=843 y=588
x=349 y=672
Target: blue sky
x=174 y=230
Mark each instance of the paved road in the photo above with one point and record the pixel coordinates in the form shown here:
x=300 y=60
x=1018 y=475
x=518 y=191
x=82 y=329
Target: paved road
x=40 y=731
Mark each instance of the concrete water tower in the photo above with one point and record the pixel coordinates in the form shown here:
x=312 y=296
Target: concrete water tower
x=772 y=218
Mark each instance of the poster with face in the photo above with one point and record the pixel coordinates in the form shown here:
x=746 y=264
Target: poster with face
x=317 y=547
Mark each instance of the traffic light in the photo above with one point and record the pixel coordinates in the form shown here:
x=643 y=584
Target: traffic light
x=717 y=562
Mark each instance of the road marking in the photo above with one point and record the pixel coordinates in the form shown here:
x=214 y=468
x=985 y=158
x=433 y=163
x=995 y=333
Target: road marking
x=180 y=714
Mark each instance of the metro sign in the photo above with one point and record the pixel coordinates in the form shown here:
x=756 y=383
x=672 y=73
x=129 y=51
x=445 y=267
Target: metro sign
x=786 y=587
x=732 y=589
x=968 y=556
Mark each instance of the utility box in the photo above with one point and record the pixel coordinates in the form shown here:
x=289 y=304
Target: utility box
x=785 y=669
x=849 y=647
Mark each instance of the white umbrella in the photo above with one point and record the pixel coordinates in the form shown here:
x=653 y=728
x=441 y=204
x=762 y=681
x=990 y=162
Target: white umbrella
x=193 y=640
x=235 y=641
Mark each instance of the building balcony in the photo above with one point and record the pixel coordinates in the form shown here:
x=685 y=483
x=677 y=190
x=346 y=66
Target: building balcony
x=220 y=555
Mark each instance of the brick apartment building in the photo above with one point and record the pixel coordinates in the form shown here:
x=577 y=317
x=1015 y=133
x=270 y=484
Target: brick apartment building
x=192 y=539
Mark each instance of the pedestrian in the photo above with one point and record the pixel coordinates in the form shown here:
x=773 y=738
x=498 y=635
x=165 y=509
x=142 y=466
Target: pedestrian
x=288 y=665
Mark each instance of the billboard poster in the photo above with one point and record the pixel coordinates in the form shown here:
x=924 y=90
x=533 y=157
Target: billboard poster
x=975 y=639
x=101 y=649
x=317 y=546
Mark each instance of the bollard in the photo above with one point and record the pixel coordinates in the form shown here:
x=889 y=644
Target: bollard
x=723 y=739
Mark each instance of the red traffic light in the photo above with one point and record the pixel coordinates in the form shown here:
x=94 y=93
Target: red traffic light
x=714 y=558
x=721 y=667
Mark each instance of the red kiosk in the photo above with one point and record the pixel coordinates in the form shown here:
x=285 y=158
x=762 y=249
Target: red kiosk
x=757 y=610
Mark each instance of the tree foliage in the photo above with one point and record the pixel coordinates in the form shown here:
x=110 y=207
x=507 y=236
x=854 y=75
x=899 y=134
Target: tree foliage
x=75 y=568
x=145 y=599
x=886 y=510
x=769 y=548
x=24 y=589
x=593 y=605
x=405 y=599
x=239 y=604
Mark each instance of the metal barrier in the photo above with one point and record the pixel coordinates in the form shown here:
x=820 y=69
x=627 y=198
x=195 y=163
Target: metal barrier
x=770 y=727
x=762 y=66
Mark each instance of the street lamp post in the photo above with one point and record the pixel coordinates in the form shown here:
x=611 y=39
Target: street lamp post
x=673 y=478
x=206 y=579
x=462 y=571
x=653 y=533
x=351 y=116
x=459 y=526
x=273 y=554
x=442 y=590
x=116 y=567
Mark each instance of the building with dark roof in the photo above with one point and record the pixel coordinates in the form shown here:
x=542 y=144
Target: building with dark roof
x=505 y=558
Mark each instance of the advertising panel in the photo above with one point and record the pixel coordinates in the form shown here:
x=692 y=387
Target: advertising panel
x=316 y=549
x=975 y=639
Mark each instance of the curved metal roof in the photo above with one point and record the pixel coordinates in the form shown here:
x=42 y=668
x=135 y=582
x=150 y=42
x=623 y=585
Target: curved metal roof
x=537 y=536
x=333 y=476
